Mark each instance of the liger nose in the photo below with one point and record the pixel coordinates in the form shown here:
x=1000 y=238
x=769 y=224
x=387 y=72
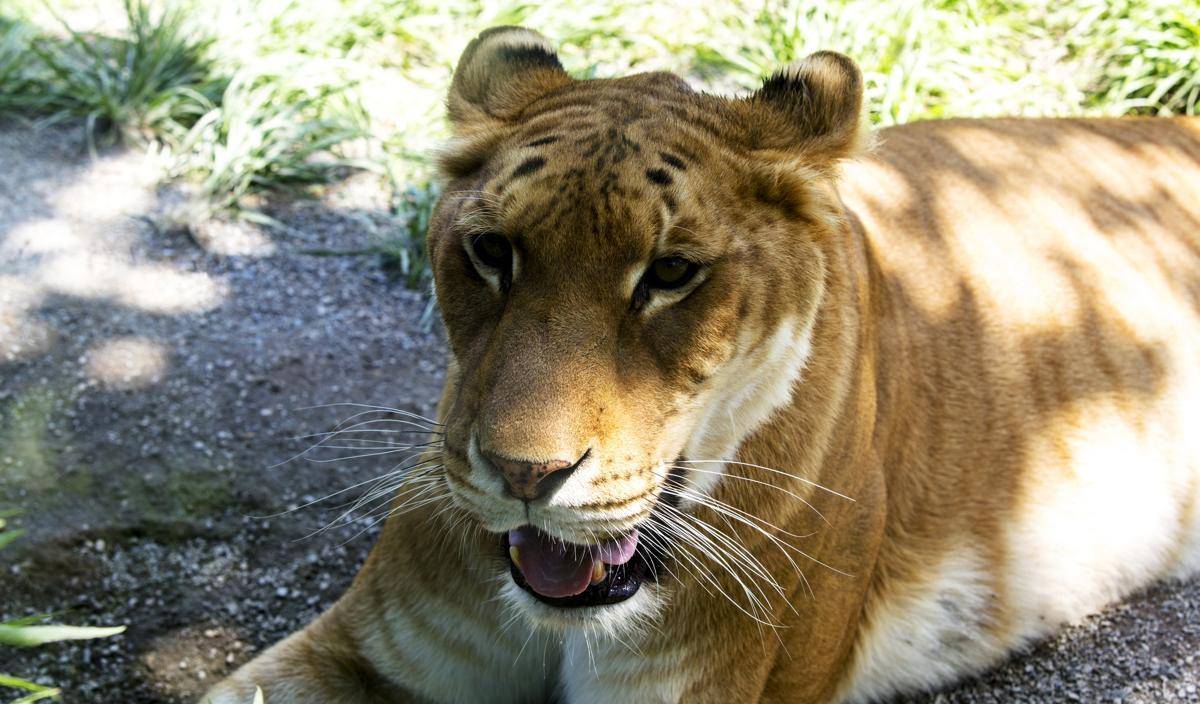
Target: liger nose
x=532 y=480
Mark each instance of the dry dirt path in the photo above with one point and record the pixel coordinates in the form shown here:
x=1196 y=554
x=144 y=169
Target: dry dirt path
x=146 y=388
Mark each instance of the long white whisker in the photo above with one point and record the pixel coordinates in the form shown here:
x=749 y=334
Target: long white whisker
x=329 y=437
x=407 y=507
x=734 y=514
x=370 y=502
x=330 y=433
x=735 y=550
x=683 y=542
x=373 y=407
x=688 y=536
x=769 y=469
x=398 y=469
x=344 y=518
x=729 y=561
x=752 y=480
x=376 y=453
x=710 y=498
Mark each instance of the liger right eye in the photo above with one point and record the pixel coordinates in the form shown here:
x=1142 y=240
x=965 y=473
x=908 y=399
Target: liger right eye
x=492 y=250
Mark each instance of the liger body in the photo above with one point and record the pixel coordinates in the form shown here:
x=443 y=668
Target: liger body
x=736 y=412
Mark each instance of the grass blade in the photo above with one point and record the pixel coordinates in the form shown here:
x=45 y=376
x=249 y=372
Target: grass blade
x=27 y=636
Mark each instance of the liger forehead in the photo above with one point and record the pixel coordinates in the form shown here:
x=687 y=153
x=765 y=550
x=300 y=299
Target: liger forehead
x=612 y=186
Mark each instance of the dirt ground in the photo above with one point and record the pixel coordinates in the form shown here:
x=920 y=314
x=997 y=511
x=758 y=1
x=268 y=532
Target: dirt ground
x=150 y=387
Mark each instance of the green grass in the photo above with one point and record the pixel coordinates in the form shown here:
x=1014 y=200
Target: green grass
x=249 y=96
x=1147 y=55
x=402 y=248
x=234 y=132
x=18 y=88
x=262 y=135
x=140 y=86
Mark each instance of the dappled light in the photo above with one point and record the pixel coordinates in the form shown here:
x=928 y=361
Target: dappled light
x=127 y=363
x=148 y=287
x=1042 y=285
x=78 y=244
x=1056 y=244
x=92 y=197
x=233 y=240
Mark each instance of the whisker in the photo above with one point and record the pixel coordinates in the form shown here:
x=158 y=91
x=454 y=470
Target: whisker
x=527 y=639
x=379 y=453
x=388 y=492
x=740 y=551
x=682 y=543
x=734 y=514
x=344 y=518
x=755 y=481
x=373 y=407
x=380 y=445
x=729 y=559
x=398 y=469
x=687 y=537
x=769 y=469
x=400 y=511
x=707 y=499
x=332 y=433
x=346 y=426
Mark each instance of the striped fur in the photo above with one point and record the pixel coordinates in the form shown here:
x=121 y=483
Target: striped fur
x=933 y=401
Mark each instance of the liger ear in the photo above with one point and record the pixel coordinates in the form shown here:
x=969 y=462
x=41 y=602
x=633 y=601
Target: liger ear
x=500 y=73
x=812 y=109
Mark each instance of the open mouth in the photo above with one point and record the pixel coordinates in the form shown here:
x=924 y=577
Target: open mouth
x=569 y=575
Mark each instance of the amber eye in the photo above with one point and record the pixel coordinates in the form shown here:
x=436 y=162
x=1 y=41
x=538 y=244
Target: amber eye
x=492 y=250
x=670 y=273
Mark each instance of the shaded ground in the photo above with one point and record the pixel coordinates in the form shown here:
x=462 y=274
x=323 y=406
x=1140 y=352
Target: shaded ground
x=147 y=386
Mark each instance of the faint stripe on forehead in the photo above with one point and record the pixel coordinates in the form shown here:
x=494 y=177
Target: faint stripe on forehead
x=529 y=166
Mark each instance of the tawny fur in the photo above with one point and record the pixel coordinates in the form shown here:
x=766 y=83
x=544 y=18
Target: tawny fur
x=986 y=333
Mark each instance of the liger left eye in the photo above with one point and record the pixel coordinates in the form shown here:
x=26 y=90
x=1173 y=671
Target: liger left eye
x=670 y=273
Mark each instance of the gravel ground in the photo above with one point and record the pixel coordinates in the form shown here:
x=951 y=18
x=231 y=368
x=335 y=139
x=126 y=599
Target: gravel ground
x=147 y=386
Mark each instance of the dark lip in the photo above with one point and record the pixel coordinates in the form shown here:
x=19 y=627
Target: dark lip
x=622 y=581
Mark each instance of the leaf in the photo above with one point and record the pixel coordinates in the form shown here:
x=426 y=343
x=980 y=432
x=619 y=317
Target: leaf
x=26 y=621
x=36 y=691
x=8 y=536
x=18 y=683
x=39 y=635
x=49 y=693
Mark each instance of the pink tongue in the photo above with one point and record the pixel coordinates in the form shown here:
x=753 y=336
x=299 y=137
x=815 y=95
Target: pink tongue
x=619 y=550
x=556 y=569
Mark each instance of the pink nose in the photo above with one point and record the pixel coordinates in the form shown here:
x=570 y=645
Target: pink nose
x=528 y=480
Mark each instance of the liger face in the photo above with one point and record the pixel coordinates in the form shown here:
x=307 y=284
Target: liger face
x=627 y=292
